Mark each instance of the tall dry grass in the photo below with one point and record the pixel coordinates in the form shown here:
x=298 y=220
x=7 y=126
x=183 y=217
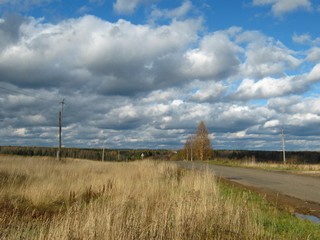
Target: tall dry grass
x=300 y=168
x=41 y=198
x=312 y=168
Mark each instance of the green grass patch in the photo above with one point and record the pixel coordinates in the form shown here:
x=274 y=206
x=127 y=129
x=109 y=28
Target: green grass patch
x=278 y=224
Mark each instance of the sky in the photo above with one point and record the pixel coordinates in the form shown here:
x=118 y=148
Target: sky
x=144 y=73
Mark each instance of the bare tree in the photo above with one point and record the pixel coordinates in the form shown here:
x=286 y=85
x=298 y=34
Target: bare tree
x=203 y=148
x=189 y=148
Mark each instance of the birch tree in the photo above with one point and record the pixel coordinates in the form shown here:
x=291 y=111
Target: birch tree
x=189 y=148
x=203 y=148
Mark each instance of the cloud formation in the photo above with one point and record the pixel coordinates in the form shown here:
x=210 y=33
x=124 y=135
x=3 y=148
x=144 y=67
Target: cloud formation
x=149 y=84
x=129 y=6
x=175 y=13
x=280 y=7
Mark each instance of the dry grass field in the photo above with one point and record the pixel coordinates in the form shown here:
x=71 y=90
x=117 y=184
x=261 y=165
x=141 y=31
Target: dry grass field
x=304 y=169
x=281 y=165
x=41 y=198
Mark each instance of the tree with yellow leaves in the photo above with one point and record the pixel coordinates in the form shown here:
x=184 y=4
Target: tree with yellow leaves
x=203 y=148
x=198 y=146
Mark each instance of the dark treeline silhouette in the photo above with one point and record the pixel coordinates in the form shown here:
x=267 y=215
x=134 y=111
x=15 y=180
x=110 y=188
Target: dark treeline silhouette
x=293 y=157
x=92 y=154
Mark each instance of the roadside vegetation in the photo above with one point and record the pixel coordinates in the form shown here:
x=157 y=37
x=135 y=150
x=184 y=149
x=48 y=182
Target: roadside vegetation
x=41 y=198
x=298 y=168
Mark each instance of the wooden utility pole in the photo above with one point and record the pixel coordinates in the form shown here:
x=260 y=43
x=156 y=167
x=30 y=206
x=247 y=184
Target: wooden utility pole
x=60 y=126
x=191 y=149
x=102 y=159
x=60 y=130
x=283 y=148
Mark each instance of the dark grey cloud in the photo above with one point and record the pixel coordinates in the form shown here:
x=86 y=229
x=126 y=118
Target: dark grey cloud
x=10 y=29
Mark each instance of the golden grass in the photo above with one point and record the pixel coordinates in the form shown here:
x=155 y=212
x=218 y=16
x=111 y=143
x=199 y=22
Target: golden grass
x=312 y=169
x=299 y=168
x=41 y=198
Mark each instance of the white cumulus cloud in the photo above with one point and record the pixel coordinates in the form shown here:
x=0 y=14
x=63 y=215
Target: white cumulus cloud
x=269 y=87
x=280 y=7
x=216 y=58
x=129 y=6
x=265 y=56
x=178 y=12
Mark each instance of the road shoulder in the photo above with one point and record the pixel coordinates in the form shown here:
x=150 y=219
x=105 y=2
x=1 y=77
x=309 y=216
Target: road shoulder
x=290 y=204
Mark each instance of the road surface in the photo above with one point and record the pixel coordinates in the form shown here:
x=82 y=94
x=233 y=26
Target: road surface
x=301 y=187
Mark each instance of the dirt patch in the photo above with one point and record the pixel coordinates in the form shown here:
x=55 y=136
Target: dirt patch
x=281 y=201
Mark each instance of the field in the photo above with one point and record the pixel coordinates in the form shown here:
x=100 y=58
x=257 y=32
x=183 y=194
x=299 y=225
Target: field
x=41 y=198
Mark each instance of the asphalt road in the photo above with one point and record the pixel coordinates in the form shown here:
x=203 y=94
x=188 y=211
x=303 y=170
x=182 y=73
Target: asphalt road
x=301 y=187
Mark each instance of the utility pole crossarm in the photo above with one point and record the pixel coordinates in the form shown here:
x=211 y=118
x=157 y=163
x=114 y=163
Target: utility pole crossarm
x=59 y=137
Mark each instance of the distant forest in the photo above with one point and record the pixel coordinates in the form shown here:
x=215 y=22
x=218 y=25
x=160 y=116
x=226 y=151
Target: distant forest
x=92 y=154
x=292 y=157
x=135 y=154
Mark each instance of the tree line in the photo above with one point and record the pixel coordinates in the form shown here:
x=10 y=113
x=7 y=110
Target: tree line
x=293 y=157
x=198 y=147
x=92 y=154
